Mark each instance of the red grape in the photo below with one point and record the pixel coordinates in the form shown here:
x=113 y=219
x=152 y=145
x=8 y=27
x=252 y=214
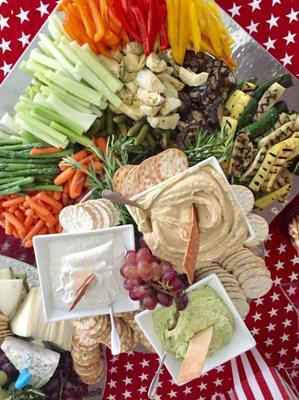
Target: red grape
x=149 y=302
x=131 y=257
x=130 y=283
x=165 y=265
x=157 y=271
x=164 y=299
x=183 y=302
x=169 y=276
x=137 y=292
x=178 y=285
x=129 y=271
x=144 y=255
x=144 y=270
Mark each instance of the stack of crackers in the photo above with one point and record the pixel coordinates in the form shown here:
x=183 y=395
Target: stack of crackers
x=89 y=333
x=133 y=179
x=4 y=328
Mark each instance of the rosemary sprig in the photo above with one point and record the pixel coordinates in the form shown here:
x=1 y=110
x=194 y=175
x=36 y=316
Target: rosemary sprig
x=203 y=144
x=27 y=394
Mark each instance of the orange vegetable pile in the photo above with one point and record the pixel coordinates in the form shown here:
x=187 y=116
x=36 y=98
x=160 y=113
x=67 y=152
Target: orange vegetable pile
x=93 y=22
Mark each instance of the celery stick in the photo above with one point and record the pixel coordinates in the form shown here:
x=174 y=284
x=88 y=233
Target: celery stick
x=46 y=90
x=41 y=101
x=68 y=52
x=55 y=27
x=96 y=83
x=4 y=135
x=42 y=131
x=22 y=107
x=8 y=121
x=49 y=62
x=23 y=68
x=95 y=110
x=28 y=137
x=40 y=117
x=97 y=67
x=82 y=119
x=76 y=88
x=36 y=66
x=68 y=100
x=53 y=116
x=84 y=140
x=56 y=53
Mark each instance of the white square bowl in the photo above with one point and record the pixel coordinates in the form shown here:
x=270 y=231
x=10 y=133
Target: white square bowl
x=213 y=162
x=41 y=249
x=241 y=340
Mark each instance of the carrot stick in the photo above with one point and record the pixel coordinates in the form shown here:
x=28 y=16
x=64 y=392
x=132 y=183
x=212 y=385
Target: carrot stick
x=34 y=231
x=76 y=184
x=13 y=220
x=101 y=48
x=47 y=199
x=12 y=202
x=102 y=144
x=64 y=176
x=20 y=215
x=45 y=150
x=8 y=227
x=98 y=21
x=86 y=18
x=37 y=207
x=65 y=199
x=56 y=196
x=104 y=12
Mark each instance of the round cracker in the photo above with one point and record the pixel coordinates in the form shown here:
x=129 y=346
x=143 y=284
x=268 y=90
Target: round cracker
x=119 y=180
x=104 y=213
x=256 y=286
x=113 y=209
x=253 y=271
x=242 y=307
x=85 y=323
x=170 y=163
x=241 y=268
x=147 y=177
x=261 y=230
x=229 y=261
x=3 y=318
x=76 y=219
x=244 y=197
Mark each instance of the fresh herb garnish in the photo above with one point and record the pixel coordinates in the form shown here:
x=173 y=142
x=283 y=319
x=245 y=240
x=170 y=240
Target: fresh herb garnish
x=27 y=394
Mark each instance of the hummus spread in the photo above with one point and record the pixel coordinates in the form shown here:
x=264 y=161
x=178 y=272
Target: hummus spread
x=165 y=216
x=205 y=308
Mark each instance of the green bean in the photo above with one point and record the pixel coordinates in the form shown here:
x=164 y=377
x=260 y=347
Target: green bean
x=4 y=142
x=123 y=129
x=142 y=135
x=19 y=182
x=135 y=129
x=151 y=141
x=26 y=172
x=119 y=119
x=44 y=188
x=16 y=167
x=110 y=125
x=10 y=180
x=24 y=146
x=12 y=190
x=29 y=161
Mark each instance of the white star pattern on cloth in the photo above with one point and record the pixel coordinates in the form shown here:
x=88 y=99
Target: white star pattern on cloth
x=255 y=331
x=187 y=390
x=144 y=363
x=6 y=70
x=23 y=15
x=235 y=10
x=142 y=389
x=130 y=353
x=268 y=342
x=268 y=355
x=280 y=366
x=218 y=382
x=291 y=291
x=24 y=39
x=277 y=281
x=113 y=370
x=275 y=2
x=172 y=394
x=255 y=5
x=295 y=362
x=293 y=276
x=129 y=366
x=284 y=338
x=252 y=27
x=282 y=352
x=220 y=368
x=201 y=398
x=127 y=381
x=5 y=45
x=157 y=397
x=127 y=394
x=282 y=248
x=114 y=359
x=271 y=327
x=297 y=347
x=269 y=45
x=112 y=384
x=295 y=260
x=202 y=386
x=273 y=21
x=288 y=308
x=294 y=374
x=279 y=265
x=293 y=15
x=111 y=397
x=43 y=8
x=287 y=322
x=259 y=301
x=256 y=316
x=275 y=296
x=3 y=22
x=266 y=252
x=143 y=377
x=290 y=38
x=273 y=312
x=269 y=237
x=5 y=246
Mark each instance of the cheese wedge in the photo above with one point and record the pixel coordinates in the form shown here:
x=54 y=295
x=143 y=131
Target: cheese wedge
x=196 y=355
x=10 y=294
x=6 y=273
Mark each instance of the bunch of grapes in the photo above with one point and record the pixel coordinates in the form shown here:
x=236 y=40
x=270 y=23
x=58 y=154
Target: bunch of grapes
x=153 y=281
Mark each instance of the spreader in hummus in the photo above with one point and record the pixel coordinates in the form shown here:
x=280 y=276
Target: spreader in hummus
x=165 y=216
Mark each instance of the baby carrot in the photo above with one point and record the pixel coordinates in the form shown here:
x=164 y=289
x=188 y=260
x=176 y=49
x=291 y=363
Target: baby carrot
x=8 y=227
x=37 y=207
x=28 y=221
x=15 y=233
x=56 y=195
x=51 y=229
x=28 y=244
x=34 y=231
x=76 y=184
x=80 y=155
x=13 y=220
x=98 y=21
x=45 y=150
x=47 y=199
x=20 y=215
x=102 y=144
x=66 y=187
x=12 y=209
x=43 y=231
x=65 y=199
x=64 y=176
x=12 y=202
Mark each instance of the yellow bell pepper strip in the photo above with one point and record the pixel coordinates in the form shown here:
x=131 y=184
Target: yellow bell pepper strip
x=195 y=27
x=184 y=30
x=212 y=30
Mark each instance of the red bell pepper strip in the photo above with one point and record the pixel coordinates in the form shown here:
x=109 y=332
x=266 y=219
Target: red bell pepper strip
x=164 y=37
x=153 y=27
x=121 y=14
x=143 y=29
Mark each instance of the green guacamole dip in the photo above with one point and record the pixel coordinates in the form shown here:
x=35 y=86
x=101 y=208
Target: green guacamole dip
x=205 y=308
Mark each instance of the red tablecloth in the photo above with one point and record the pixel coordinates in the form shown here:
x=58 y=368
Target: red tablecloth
x=272 y=320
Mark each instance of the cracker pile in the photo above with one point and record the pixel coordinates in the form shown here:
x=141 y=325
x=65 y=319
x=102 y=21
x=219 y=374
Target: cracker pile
x=90 y=333
x=4 y=328
x=133 y=179
x=244 y=276
x=88 y=216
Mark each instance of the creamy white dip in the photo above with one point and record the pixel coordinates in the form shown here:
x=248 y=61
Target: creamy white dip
x=72 y=260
